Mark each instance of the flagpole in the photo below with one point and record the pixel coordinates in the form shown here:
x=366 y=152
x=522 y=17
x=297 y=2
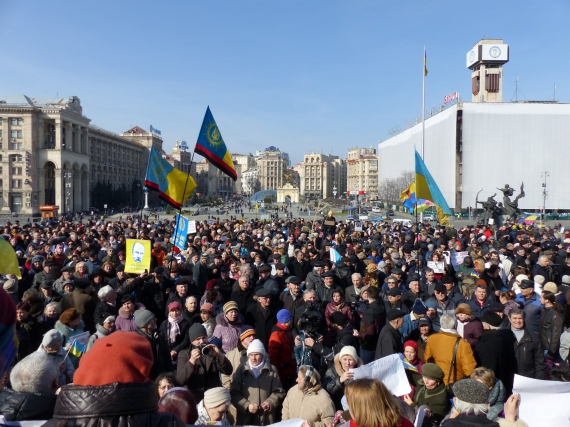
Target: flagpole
x=423 y=105
x=180 y=209
x=423 y=124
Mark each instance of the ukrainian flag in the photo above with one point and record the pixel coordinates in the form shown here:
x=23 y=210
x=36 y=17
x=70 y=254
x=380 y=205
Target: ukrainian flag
x=173 y=185
x=408 y=199
x=77 y=348
x=426 y=188
x=211 y=145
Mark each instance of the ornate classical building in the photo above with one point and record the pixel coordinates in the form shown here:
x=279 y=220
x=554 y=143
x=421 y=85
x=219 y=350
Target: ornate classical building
x=52 y=157
x=362 y=165
x=321 y=176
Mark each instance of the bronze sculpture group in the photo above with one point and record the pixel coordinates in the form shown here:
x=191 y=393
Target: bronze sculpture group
x=495 y=211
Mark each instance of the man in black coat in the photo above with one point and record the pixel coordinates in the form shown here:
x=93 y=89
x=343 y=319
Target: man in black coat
x=344 y=336
x=198 y=372
x=146 y=327
x=299 y=266
x=262 y=316
x=292 y=298
x=390 y=339
x=200 y=272
x=495 y=350
x=529 y=353
x=154 y=293
x=242 y=294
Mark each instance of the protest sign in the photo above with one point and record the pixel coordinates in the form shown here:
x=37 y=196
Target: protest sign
x=138 y=256
x=357 y=226
x=436 y=266
x=389 y=370
x=536 y=394
x=191 y=227
x=457 y=258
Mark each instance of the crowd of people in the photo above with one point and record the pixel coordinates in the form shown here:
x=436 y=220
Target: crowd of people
x=254 y=322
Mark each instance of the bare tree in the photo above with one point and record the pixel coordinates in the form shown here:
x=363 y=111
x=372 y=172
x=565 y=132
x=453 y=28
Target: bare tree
x=390 y=189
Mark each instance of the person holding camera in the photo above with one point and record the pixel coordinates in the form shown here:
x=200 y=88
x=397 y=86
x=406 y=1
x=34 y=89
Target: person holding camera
x=199 y=367
x=343 y=331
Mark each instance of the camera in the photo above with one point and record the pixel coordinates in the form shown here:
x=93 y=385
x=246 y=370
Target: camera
x=310 y=320
x=205 y=350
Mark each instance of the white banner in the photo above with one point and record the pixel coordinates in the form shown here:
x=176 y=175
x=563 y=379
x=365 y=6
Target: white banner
x=543 y=403
x=390 y=370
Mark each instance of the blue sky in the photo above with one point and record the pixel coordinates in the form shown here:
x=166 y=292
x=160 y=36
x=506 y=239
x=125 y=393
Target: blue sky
x=300 y=75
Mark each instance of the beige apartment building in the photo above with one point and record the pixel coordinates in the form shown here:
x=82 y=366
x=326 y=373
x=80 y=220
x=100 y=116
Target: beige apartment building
x=271 y=168
x=321 y=176
x=211 y=180
x=51 y=156
x=362 y=170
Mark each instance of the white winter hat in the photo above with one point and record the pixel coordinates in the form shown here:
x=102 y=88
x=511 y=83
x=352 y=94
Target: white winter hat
x=216 y=396
x=256 y=346
x=348 y=350
x=521 y=277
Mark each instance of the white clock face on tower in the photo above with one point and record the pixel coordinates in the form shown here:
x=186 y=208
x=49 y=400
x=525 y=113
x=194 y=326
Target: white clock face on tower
x=495 y=52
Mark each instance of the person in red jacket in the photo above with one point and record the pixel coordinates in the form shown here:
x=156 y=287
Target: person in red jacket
x=281 y=349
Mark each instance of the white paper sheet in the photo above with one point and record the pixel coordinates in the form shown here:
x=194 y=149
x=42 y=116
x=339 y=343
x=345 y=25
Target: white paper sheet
x=543 y=403
x=420 y=417
x=390 y=370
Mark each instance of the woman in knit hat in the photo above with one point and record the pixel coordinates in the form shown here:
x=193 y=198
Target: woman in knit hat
x=214 y=407
x=125 y=321
x=69 y=325
x=468 y=326
x=228 y=326
x=431 y=394
x=308 y=400
x=281 y=348
x=340 y=373
x=174 y=331
x=256 y=389
x=238 y=356
x=52 y=347
x=412 y=363
x=208 y=317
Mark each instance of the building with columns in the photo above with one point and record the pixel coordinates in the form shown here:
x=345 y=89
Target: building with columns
x=211 y=180
x=362 y=170
x=52 y=157
x=320 y=174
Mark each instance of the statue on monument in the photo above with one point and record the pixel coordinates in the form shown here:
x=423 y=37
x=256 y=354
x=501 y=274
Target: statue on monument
x=511 y=208
x=492 y=210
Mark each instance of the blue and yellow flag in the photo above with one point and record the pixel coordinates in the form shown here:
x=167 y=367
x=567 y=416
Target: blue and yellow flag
x=77 y=348
x=426 y=188
x=211 y=145
x=168 y=181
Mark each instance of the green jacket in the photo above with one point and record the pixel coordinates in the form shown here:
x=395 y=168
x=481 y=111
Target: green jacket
x=437 y=400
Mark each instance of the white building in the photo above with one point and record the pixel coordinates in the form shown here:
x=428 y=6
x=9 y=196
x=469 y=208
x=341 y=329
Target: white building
x=473 y=146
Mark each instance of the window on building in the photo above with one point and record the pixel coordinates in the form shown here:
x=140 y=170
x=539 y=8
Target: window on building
x=15 y=158
x=16 y=146
x=16 y=183
x=16 y=134
x=15 y=121
x=0 y=121
x=16 y=171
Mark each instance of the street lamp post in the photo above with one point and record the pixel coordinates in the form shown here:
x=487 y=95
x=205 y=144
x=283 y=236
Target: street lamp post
x=145 y=189
x=545 y=175
x=67 y=177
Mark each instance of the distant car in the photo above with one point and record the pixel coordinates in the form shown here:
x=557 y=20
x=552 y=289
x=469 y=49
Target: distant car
x=390 y=212
x=429 y=217
x=375 y=209
x=363 y=212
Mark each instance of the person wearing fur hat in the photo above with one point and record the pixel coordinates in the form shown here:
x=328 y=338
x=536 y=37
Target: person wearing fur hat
x=83 y=302
x=174 y=331
x=468 y=325
x=111 y=387
x=106 y=327
x=214 y=407
x=340 y=373
x=69 y=325
x=228 y=326
x=198 y=371
x=281 y=348
x=52 y=345
x=256 y=389
x=308 y=400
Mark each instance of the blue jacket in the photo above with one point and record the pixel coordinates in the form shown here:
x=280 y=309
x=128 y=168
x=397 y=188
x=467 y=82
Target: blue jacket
x=532 y=310
x=408 y=326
